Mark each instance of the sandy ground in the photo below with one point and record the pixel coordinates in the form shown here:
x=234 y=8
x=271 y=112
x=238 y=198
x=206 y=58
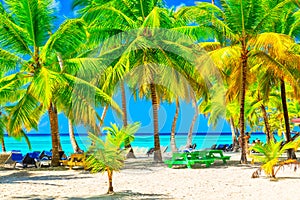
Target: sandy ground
x=143 y=179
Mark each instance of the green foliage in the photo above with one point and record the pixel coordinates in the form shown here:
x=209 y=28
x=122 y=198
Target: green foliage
x=109 y=153
x=119 y=136
x=270 y=153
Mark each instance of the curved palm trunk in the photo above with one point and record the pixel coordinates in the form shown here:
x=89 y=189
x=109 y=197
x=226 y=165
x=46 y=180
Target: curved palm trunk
x=267 y=125
x=58 y=136
x=74 y=143
x=61 y=65
x=290 y=152
x=173 y=142
x=157 y=151
x=190 y=133
x=102 y=118
x=110 y=186
x=3 y=144
x=244 y=58
x=233 y=135
x=101 y=122
x=54 y=135
x=124 y=109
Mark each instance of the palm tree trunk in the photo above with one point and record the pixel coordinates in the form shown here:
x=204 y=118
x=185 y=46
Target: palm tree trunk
x=267 y=125
x=110 y=186
x=54 y=134
x=173 y=129
x=190 y=133
x=102 y=118
x=157 y=151
x=3 y=144
x=74 y=143
x=290 y=152
x=244 y=58
x=61 y=65
x=58 y=136
x=233 y=134
x=101 y=122
x=124 y=109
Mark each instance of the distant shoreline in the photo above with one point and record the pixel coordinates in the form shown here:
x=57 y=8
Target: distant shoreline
x=142 y=134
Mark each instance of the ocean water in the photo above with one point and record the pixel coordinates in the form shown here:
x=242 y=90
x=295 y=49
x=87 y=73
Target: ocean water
x=40 y=142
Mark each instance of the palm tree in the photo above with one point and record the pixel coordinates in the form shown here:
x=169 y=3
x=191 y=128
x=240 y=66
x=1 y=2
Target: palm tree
x=258 y=100
x=173 y=128
x=271 y=153
x=147 y=45
x=31 y=52
x=2 y=128
x=109 y=155
x=9 y=96
x=240 y=22
x=124 y=109
x=290 y=67
x=74 y=143
x=190 y=133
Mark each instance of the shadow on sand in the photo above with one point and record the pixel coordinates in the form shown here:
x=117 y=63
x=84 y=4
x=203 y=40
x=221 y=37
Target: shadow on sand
x=26 y=176
x=122 y=195
x=127 y=194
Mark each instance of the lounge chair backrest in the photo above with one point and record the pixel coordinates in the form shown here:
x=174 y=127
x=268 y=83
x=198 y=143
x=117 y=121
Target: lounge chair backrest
x=17 y=156
x=28 y=159
x=163 y=148
x=6 y=160
x=77 y=157
x=47 y=154
x=61 y=155
x=4 y=157
x=35 y=155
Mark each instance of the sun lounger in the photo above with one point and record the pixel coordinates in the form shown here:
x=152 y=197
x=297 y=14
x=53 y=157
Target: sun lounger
x=163 y=149
x=29 y=160
x=140 y=150
x=76 y=160
x=47 y=154
x=17 y=156
x=46 y=157
x=43 y=159
x=6 y=160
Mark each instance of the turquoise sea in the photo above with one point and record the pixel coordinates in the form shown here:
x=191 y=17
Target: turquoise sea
x=40 y=142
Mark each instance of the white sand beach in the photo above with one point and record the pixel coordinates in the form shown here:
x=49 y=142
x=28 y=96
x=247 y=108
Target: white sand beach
x=143 y=179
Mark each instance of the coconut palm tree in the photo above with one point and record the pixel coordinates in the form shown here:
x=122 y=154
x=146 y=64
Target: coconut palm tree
x=109 y=155
x=149 y=43
x=196 y=114
x=9 y=96
x=239 y=22
x=30 y=50
x=271 y=153
x=173 y=127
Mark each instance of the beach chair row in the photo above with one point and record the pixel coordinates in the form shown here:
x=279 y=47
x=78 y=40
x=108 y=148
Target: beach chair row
x=33 y=159
x=196 y=157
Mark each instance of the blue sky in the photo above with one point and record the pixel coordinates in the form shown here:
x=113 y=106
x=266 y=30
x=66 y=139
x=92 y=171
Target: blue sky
x=141 y=110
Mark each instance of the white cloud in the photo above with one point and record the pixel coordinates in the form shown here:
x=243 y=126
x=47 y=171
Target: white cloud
x=180 y=6
x=56 y=5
